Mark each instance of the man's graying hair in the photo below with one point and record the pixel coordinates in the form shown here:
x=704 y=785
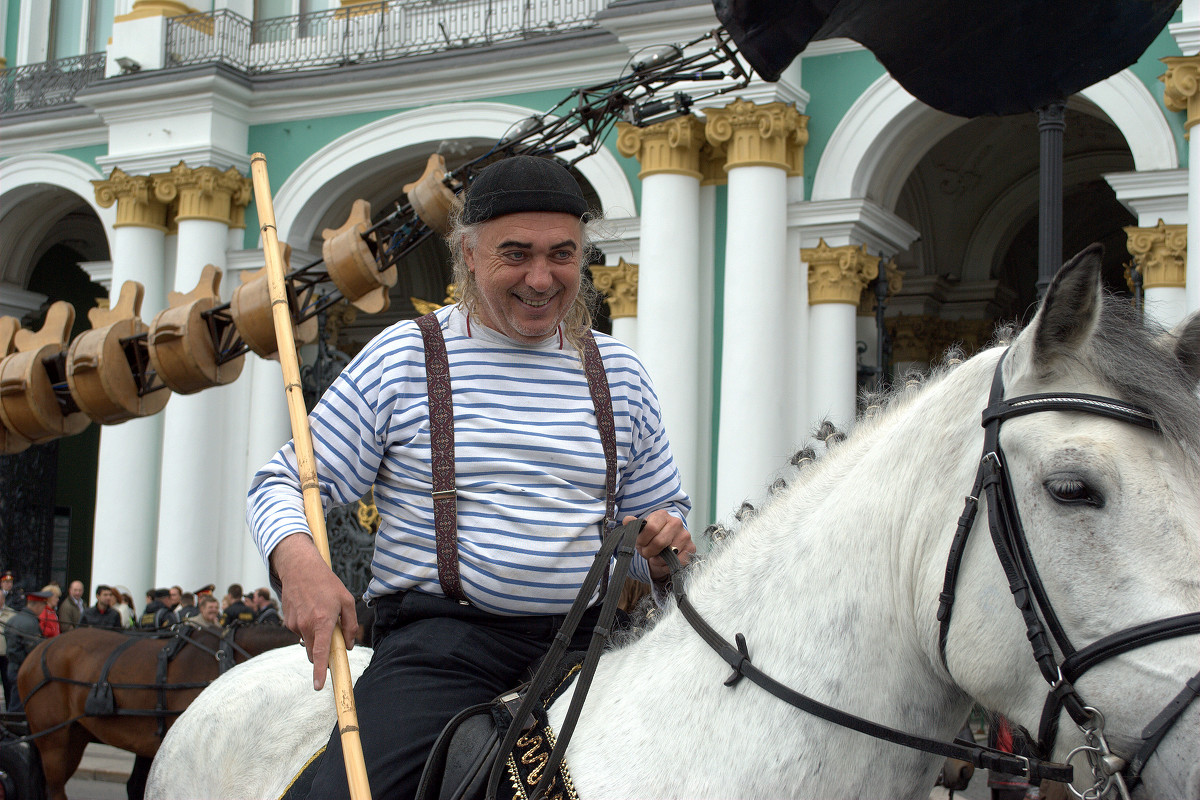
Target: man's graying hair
x=466 y=291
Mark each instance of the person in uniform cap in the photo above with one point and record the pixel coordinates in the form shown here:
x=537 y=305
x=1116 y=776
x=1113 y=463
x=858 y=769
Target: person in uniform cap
x=156 y=614
x=208 y=588
x=465 y=604
x=14 y=595
x=237 y=612
x=22 y=635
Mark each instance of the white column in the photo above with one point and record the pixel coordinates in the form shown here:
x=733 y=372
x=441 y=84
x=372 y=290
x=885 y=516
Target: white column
x=125 y=525
x=836 y=278
x=668 y=289
x=753 y=365
x=1160 y=251
x=702 y=514
x=190 y=527
x=270 y=427
x=759 y=143
x=798 y=326
x=1192 y=285
x=832 y=362
x=668 y=309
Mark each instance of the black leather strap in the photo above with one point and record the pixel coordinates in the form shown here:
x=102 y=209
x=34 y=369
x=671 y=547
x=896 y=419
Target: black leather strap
x=622 y=538
x=738 y=657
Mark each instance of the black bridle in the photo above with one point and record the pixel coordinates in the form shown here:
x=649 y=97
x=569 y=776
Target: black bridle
x=992 y=482
x=1012 y=548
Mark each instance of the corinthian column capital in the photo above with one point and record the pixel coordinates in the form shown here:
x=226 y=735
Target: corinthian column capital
x=1160 y=254
x=619 y=286
x=1181 y=86
x=671 y=147
x=137 y=205
x=203 y=192
x=838 y=274
x=756 y=135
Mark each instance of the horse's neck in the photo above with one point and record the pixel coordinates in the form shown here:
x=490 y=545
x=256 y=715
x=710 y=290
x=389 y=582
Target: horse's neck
x=832 y=586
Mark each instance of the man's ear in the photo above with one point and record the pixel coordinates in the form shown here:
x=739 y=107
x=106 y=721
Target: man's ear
x=468 y=254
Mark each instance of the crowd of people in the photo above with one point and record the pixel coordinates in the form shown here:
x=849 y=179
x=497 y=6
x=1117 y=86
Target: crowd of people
x=29 y=617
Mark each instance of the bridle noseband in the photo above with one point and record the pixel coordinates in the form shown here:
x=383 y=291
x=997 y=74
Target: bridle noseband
x=1012 y=548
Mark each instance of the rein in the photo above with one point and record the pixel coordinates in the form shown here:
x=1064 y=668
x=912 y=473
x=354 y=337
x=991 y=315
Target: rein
x=739 y=658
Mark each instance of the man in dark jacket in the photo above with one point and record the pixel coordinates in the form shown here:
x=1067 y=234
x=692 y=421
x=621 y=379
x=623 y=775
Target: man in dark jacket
x=265 y=607
x=102 y=615
x=23 y=634
x=156 y=614
x=237 y=610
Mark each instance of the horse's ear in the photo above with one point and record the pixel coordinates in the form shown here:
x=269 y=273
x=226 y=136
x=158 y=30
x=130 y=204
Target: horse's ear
x=1186 y=336
x=1070 y=309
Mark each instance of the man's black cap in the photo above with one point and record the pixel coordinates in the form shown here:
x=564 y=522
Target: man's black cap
x=161 y=593
x=522 y=183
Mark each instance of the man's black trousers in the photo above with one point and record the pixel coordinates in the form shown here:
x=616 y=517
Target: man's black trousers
x=433 y=658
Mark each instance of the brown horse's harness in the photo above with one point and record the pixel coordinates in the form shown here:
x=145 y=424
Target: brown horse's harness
x=1008 y=536
x=100 y=701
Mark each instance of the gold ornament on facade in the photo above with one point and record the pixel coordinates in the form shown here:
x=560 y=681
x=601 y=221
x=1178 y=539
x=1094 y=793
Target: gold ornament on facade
x=838 y=274
x=795 y=150
x=1181 y=86
x=895 y=282
x=368 y=513
x=754 y=135
x=619 y=285
x=143 y=9
x=1160 y=254
x=424 y=307
x=712 y=165
x=137 y=205
x=201 y=192
x=923 y=339
x=664 y=148
x=338 y=317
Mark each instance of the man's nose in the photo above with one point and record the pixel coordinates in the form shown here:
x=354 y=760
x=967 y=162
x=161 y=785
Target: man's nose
x=539 y=277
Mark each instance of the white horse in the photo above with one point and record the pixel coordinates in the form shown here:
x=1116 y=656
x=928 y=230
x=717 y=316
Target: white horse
x=835 y=583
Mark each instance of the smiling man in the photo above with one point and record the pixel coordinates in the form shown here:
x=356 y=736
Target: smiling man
x=478 y=427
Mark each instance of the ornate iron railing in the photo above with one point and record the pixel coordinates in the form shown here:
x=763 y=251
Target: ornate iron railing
x=48 y=83
x=367 y=32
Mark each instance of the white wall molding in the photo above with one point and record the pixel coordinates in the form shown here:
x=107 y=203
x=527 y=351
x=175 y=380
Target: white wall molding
x=335 y=169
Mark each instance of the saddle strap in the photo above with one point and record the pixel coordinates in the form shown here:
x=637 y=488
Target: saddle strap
x=441 y=443
x=620 y=540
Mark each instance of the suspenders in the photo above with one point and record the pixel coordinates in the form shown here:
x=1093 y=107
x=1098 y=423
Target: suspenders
x=441 y=424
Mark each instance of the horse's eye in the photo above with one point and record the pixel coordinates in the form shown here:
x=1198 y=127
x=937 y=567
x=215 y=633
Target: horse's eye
x=1072 y=491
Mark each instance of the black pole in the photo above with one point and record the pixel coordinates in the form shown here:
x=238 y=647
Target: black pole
x=1051 y=123
x=881 y=345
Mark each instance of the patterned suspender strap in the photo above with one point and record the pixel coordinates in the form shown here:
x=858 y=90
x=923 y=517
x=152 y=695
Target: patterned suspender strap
x=593 y=368
x=441 y=442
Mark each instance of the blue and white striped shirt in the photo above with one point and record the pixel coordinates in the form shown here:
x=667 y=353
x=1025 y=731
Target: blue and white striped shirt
x=529 y=465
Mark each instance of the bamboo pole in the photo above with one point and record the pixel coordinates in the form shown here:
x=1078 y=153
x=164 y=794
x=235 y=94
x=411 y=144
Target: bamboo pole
x=339 y=661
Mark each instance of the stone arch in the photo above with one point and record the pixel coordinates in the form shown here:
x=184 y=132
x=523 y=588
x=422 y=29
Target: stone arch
x=886 y=132
x=333 y=170
x=38 y=191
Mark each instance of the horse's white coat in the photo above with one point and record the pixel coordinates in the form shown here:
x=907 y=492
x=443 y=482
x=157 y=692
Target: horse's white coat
x=242 y=736
x=835 y=584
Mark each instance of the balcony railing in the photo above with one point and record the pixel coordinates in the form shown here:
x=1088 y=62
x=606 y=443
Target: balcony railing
x=368 y=32
x=48 y=83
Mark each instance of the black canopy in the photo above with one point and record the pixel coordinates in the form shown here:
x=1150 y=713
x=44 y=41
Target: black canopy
x=964 y=57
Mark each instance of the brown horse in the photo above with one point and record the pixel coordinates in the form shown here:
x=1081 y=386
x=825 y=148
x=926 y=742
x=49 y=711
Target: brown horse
x=59 y=675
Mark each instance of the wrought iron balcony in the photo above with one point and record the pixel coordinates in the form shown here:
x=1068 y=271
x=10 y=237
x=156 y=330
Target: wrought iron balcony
x=368 y=32
x=48 y=83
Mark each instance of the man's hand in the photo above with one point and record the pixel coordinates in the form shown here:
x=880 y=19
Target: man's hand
x=663 y=530
x=313 y=599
